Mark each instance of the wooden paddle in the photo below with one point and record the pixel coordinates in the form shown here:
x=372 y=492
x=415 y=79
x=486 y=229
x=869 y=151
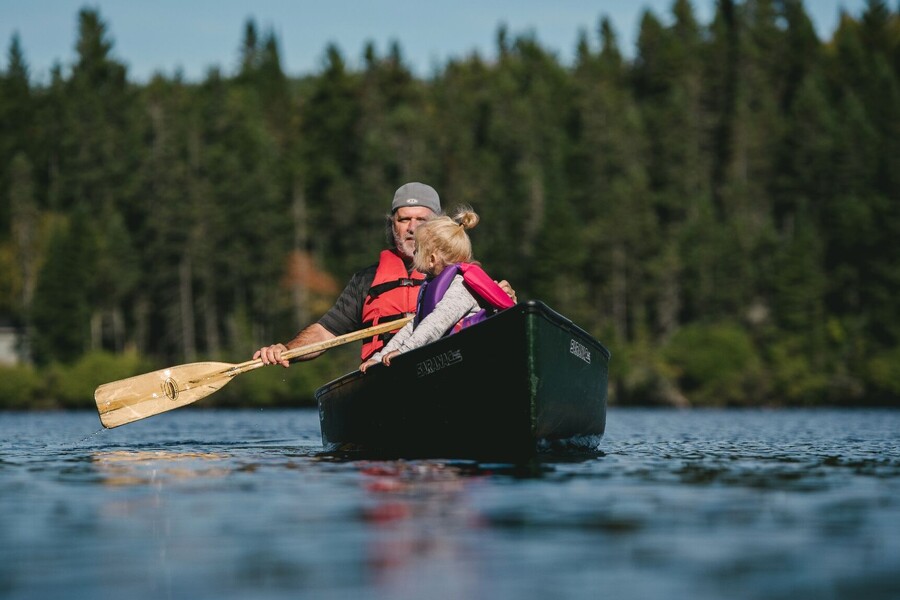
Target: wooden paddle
x=126 y=400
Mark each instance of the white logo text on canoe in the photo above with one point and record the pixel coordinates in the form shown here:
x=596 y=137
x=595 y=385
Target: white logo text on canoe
x=436 y=363
x=580 y=351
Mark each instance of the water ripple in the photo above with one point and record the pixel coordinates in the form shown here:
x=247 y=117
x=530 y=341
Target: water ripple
x=235 y=504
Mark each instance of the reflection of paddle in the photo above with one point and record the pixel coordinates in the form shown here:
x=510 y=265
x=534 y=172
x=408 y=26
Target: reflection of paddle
x=142 y=396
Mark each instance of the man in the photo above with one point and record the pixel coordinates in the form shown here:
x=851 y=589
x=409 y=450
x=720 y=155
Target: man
x=382 y=292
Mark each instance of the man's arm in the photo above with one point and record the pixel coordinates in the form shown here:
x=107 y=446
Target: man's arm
x=271 y=355
x=345 y=316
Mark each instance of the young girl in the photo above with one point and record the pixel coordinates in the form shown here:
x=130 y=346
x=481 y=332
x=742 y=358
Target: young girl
x=457 y=292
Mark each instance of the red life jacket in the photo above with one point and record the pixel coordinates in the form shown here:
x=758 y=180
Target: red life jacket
x=392 y=296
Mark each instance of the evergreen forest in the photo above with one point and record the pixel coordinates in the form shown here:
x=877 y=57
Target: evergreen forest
x=722 y=210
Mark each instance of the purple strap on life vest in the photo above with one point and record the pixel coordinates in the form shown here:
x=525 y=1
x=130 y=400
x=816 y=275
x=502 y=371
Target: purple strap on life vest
x=432 y=291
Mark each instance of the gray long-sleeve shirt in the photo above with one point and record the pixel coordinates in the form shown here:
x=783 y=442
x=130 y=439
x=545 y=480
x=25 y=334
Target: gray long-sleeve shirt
x=456 y=304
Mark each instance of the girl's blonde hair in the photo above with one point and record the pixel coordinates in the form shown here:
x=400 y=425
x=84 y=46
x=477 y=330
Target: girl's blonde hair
x=446 y=237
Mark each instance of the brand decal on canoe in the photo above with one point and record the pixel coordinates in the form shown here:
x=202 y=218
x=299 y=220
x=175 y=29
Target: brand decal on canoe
x=580 y=351
x=438 y=362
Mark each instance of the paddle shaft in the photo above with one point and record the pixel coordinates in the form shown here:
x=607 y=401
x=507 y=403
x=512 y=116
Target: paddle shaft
x=323 y=345
x=142 y=396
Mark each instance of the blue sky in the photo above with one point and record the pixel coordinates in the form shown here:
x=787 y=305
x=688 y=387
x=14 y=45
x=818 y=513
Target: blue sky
x=193 y=35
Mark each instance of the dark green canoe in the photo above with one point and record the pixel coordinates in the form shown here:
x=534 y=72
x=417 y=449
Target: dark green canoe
x=521 y=382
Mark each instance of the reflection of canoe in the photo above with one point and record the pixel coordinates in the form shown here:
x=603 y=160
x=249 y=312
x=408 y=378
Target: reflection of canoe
x=524 y=380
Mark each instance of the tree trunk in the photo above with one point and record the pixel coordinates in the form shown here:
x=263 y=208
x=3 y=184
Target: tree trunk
x=186 y=297
x=299 y=293
x=619 y=281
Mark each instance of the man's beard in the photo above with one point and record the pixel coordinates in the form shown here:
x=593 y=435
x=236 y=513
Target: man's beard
x=406 y=247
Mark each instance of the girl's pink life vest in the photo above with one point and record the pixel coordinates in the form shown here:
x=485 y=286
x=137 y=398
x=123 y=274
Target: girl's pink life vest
x=393 y=295
x=479 y=284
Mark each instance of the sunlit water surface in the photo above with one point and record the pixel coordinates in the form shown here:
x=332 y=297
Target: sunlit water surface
x=241 y=504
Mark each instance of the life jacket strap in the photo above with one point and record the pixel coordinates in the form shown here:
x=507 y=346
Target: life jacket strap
x=377 y=290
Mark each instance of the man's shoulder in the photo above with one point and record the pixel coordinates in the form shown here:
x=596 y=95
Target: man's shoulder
x=365 y=274
x=346 y=313
x=361 y=281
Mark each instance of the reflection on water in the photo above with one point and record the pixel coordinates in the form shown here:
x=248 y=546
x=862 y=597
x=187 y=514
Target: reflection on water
x=243 y=504
x=415 y=510
x=123 y=467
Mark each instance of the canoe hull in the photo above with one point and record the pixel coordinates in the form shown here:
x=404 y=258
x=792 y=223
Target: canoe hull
x=525 y=380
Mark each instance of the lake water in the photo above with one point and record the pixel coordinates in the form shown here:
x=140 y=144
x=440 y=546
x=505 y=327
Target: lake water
x=240 y=504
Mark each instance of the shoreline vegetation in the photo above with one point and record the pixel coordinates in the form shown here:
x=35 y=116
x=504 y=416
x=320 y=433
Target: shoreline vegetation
x=721 y=211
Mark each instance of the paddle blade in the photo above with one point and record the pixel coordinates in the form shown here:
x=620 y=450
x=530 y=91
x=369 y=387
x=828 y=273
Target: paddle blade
x=127 y=400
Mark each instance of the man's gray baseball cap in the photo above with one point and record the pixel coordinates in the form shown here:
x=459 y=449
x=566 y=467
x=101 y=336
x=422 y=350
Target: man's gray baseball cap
x=416 y=194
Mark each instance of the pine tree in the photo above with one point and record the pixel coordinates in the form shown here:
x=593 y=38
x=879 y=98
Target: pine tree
x=618 y=226
x=25 y=244
x=529 y=103
x=394 y=149
x=61 y=311
x=330 y=148
x=16 y=123
x=669 y=87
